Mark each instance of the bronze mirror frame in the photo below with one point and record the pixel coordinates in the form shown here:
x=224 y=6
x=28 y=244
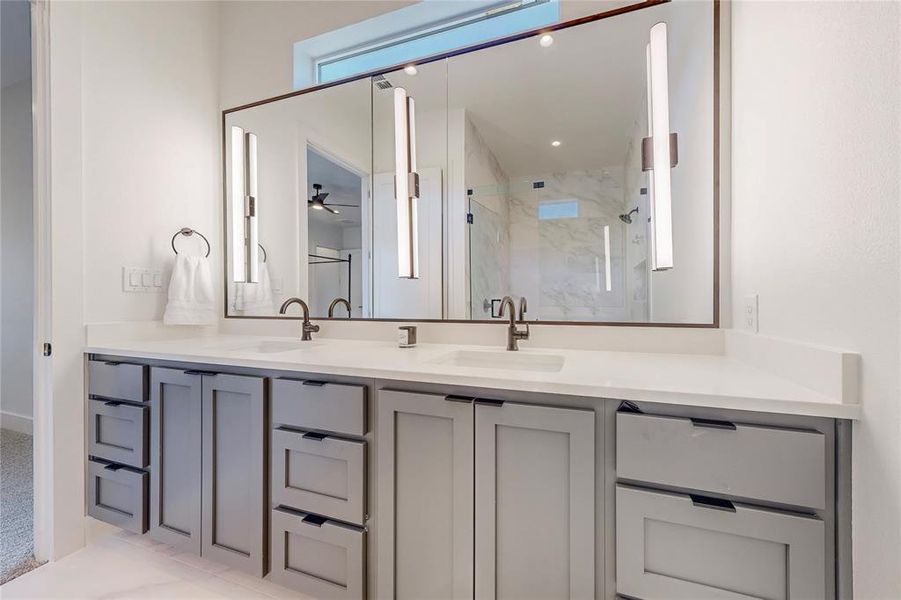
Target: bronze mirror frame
x=719 y=163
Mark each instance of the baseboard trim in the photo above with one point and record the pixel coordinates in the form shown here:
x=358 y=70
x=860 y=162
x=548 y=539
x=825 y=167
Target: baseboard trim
x=16 y=422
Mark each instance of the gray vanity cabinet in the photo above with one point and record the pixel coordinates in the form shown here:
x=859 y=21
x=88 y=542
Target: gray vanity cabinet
x=118 y=432
x=117 y=494
x=175 y=448
x=680 y=546
x=425 y=496
x=234 y=472
x=534 y=502
x=529 y=469
x=208 y=467
x=740 y=509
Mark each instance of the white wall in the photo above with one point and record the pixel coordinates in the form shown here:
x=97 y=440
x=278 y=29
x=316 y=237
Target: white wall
x=150 y=145
x=134 y=155
x=816 y=221
x=17 y=267
x=258 y=40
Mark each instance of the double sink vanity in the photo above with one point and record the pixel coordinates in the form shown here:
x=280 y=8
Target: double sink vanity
x=356 y=469
x=577 y=164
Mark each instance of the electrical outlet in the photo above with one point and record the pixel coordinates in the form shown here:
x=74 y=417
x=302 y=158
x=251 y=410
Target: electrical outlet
x=142 y=281
x=750 y=313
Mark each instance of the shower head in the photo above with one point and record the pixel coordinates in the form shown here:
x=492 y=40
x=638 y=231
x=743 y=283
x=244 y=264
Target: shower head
x=627 y=217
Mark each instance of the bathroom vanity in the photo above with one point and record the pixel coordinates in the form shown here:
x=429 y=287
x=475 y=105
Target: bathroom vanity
x=563 y=165
x=353 y=469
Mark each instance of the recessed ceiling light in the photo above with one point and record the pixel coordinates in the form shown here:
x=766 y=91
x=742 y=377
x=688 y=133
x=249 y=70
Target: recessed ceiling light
x=546 y=40
x=410 y=70
x=316 y=206
x=555 y=143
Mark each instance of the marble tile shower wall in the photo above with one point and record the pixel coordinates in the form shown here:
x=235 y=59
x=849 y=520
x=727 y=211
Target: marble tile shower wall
x=636 y=247
x=489 y=237
x=559 y=263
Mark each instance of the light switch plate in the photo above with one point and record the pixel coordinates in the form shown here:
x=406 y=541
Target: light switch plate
x=749 y=317
x=142 y=280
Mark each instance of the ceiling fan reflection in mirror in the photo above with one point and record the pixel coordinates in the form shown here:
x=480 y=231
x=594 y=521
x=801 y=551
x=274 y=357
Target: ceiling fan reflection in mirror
x=317 y=202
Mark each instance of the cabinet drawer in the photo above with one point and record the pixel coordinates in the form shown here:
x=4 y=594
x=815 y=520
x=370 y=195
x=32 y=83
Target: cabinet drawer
x=320 y=405
x=673 y=546
x=118 y=495
x=118 y=432
x=320 y=474
x=787 y=466
x=118 y=381
x=318 y=557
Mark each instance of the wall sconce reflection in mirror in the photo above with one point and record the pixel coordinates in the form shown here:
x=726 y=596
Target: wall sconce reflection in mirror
x=245 y=225
x=406 y=185
x=659 y=151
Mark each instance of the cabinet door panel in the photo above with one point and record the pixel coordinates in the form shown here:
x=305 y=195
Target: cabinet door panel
x=534 y=502
x=118 y=495
x=324 y=559
x=234 y=471
x=117 y=381
x=322 y=475
x=671 y=546
x=175 y=458
x=118 y=432
x=775 y=464
x=425 y=487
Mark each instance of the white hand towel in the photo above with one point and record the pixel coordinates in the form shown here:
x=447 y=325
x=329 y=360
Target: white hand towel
x=255 y=298
x=191 y=297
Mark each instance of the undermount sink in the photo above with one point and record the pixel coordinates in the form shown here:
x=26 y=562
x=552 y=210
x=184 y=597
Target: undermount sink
x=514 y=361
x=275 y=346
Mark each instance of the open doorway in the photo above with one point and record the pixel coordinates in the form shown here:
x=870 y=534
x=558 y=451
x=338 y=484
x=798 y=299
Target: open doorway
x=17 y=273
x=337 y=222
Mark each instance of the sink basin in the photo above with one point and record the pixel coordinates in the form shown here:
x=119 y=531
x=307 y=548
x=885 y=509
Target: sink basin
x=275 y=346
x=514 y=361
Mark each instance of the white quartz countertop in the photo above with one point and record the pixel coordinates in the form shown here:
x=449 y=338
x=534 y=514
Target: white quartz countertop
x=687 y=379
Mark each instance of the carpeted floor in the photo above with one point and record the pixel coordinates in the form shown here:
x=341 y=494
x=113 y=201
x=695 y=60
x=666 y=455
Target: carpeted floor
x=16 y=505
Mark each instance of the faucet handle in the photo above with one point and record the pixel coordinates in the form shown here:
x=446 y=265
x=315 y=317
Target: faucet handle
x=310 y=327
x=522 y=334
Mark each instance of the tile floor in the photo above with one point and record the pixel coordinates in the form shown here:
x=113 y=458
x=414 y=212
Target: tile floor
x=119 y=564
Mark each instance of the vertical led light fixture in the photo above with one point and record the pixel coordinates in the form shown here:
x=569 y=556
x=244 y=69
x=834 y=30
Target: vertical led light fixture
x=238 y=189
x=659 y=150
x=251 y=223
x=245 y=229
x=406 y=185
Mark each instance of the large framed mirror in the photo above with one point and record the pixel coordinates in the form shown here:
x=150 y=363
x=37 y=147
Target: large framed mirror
x=525 y=167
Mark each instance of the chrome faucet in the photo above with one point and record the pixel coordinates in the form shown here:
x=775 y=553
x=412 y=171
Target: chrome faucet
x=514 y=334
x=307 y=328
x=336 y=302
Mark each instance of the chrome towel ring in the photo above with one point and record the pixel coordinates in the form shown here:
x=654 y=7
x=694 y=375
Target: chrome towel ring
x=187 y=231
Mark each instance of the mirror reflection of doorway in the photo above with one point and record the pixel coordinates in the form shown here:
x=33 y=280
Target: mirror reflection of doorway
x=336 y=205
